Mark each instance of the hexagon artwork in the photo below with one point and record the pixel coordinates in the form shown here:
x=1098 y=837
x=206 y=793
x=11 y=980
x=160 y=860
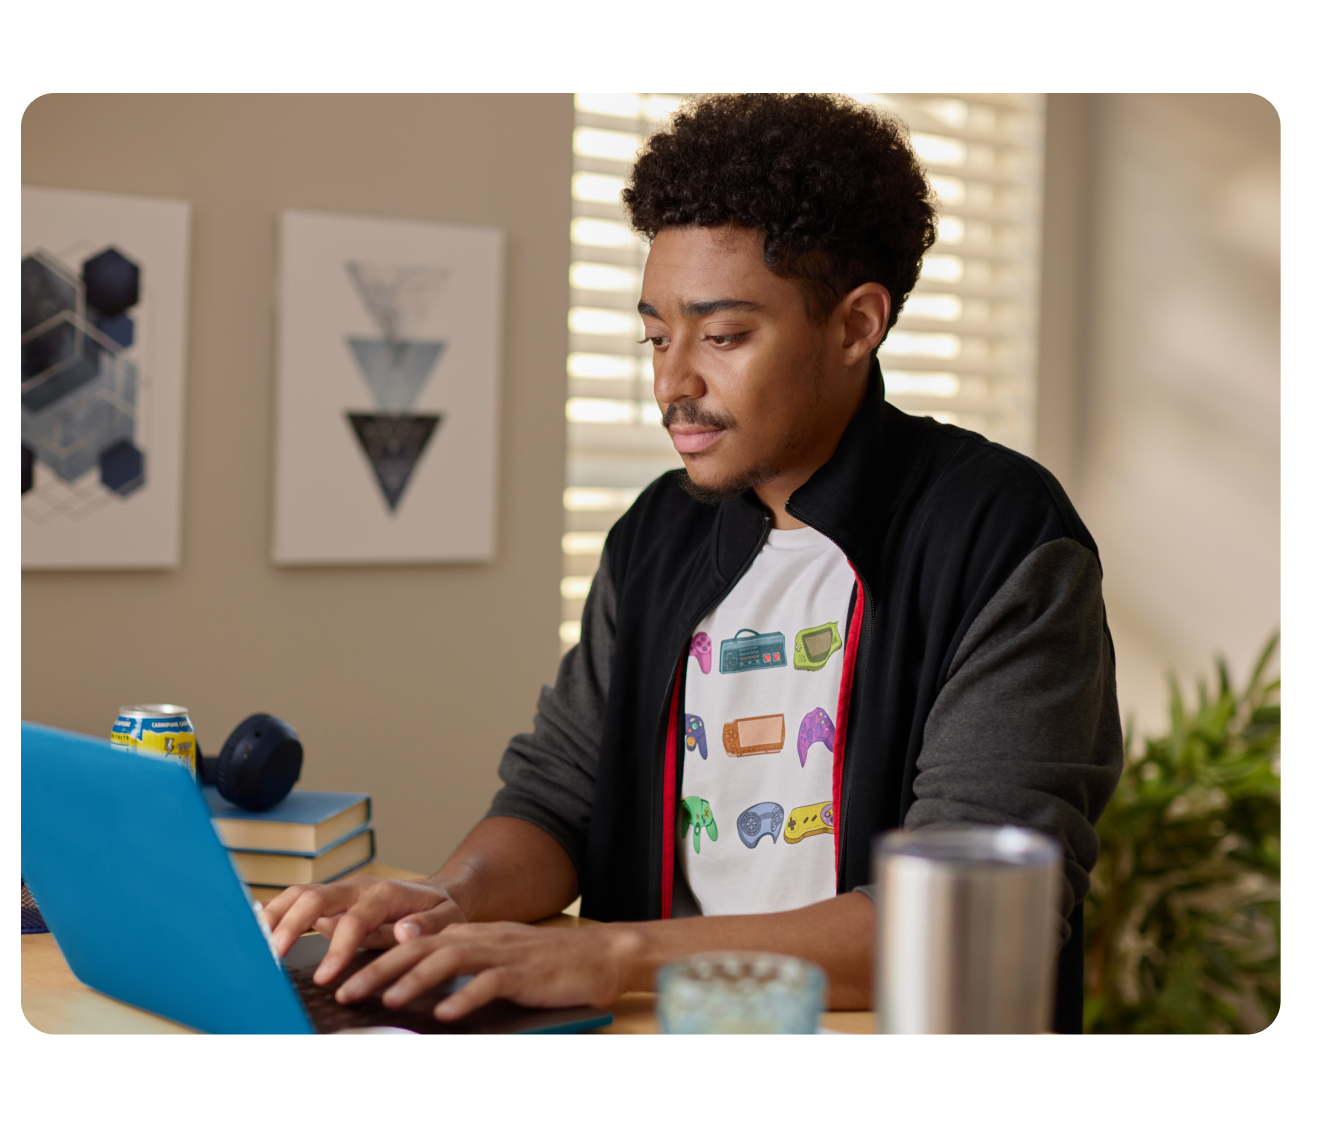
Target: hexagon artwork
x=111 y=282
x=121 y=468
x=119 y=329
x=48 y=291
x=80 y=392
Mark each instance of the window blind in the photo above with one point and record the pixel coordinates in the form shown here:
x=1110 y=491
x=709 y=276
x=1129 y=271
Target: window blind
x=963 y=350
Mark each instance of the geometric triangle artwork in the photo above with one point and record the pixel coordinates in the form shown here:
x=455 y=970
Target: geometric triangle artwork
x=395 y=373
x=395 y=366
x=398 y=298
x=393 y=443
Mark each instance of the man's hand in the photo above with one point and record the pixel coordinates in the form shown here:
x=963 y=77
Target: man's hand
x=505 y=869
x=536 y=967
x=359 y=912
x=594 y=964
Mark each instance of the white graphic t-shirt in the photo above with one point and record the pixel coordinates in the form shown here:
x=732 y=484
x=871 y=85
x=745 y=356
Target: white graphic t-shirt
x=756 y=820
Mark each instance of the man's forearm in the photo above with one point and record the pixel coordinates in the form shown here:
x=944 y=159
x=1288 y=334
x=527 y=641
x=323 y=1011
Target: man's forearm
x=838 y=934
x=508 y=869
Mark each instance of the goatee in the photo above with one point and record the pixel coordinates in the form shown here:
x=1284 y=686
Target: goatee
x=727 y=490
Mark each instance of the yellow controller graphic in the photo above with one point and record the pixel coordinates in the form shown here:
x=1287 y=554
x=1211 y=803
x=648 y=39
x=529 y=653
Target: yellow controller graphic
x=803 y=822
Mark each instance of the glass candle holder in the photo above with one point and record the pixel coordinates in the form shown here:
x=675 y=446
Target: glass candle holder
x=740 y=993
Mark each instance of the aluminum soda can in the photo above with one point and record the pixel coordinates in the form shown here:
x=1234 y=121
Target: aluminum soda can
x=164 y=730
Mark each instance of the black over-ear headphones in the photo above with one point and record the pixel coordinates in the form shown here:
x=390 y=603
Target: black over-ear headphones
x=258 y=765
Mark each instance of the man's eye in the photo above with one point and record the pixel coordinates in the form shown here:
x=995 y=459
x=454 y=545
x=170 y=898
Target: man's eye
x=724 y=338
x=655 y=342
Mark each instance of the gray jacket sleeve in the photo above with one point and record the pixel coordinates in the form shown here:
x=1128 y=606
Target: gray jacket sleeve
x=549 y=774
x=1026 y=730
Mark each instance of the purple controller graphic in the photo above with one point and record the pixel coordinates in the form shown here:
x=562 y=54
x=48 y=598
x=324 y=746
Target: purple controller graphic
x=700 y=646
x=815 y=726
x=695 y=728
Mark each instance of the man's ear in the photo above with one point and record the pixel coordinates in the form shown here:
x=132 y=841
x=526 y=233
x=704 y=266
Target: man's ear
x=865 y=319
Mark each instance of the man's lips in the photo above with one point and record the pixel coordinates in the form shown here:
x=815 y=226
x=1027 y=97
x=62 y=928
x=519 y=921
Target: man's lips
x=692 y=440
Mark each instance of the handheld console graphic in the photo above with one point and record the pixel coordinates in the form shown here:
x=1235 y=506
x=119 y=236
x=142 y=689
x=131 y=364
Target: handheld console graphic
x=699 y=648
x=813 y=646
x=695 y=729
x=695 y=812
x=751 y=736
x=759 y=820
x=804 y=822
x=815 y=726
x=752 y=652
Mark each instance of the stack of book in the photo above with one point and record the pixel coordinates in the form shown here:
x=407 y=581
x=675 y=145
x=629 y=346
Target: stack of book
x=310 y=836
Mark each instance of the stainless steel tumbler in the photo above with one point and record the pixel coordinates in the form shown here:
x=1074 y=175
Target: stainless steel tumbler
x=966 y=932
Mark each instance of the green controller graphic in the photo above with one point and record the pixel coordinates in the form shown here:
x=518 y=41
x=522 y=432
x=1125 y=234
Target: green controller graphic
x=696 y=813
x=813 y=646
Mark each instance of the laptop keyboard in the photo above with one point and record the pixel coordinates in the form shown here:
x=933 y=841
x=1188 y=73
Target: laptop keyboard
x=497 y=1017
x=328 y=1016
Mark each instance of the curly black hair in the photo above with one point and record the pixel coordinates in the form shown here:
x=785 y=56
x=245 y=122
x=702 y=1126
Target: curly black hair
x=834 y=185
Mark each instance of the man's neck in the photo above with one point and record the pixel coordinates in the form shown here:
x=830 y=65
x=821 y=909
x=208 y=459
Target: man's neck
x=775 y=493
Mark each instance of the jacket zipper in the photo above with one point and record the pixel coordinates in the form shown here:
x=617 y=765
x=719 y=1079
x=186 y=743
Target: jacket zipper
x=658 y=811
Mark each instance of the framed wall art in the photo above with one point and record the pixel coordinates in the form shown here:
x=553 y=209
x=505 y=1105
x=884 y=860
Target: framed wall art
x=387 y=404
x=104 y=304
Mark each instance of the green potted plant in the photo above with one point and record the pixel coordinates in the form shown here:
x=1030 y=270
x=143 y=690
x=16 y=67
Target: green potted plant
x=1182 y=922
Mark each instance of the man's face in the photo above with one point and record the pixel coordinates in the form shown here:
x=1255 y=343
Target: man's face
x=742 y=376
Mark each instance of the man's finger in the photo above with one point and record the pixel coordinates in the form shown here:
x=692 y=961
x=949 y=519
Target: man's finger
x=312 y=903
x=350 y=931
x=429 y=922
x=493 y=983
x=386 y=968
x=443 y=961
x=277 y=906
x=383 y=902
x=326 y=925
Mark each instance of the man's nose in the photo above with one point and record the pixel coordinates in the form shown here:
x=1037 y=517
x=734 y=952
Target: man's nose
x=677 y=373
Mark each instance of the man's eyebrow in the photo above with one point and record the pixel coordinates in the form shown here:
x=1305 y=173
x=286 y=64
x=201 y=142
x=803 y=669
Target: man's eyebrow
x=705 y=308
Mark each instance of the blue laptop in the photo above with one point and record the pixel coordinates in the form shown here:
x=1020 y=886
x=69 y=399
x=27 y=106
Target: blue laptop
x=146 y=906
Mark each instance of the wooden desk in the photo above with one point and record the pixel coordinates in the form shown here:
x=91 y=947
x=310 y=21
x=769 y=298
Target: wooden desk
x=54 y=1002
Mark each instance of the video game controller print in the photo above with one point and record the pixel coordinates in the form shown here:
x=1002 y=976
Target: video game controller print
x=699 y=648
x=815 y=726
x=695 y=729
x=813 y=646
x=695 y=812
x=759 y=820
x=804 y=822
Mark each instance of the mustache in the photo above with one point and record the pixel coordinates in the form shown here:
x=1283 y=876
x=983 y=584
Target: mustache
x=692 y=413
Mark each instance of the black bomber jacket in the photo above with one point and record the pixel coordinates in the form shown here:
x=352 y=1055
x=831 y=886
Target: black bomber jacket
x=978 y=683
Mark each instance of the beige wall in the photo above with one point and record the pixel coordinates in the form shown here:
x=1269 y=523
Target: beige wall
x=1159 y=380
x=402 y=681
x=1158 y=408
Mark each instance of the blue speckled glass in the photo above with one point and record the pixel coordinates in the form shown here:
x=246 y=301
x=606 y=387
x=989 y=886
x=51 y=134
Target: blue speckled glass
x=740 y=993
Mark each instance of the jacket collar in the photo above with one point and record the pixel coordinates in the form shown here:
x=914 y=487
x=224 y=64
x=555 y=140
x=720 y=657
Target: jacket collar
x=853 y=497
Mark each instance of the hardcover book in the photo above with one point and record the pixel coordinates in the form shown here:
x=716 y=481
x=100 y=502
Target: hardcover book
x=268 y=868
x=305 y=822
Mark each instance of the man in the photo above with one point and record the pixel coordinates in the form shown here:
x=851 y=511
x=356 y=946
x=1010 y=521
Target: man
x=839 y=619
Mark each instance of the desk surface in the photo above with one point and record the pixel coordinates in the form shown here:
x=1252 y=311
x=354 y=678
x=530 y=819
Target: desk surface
x=54 y=1002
